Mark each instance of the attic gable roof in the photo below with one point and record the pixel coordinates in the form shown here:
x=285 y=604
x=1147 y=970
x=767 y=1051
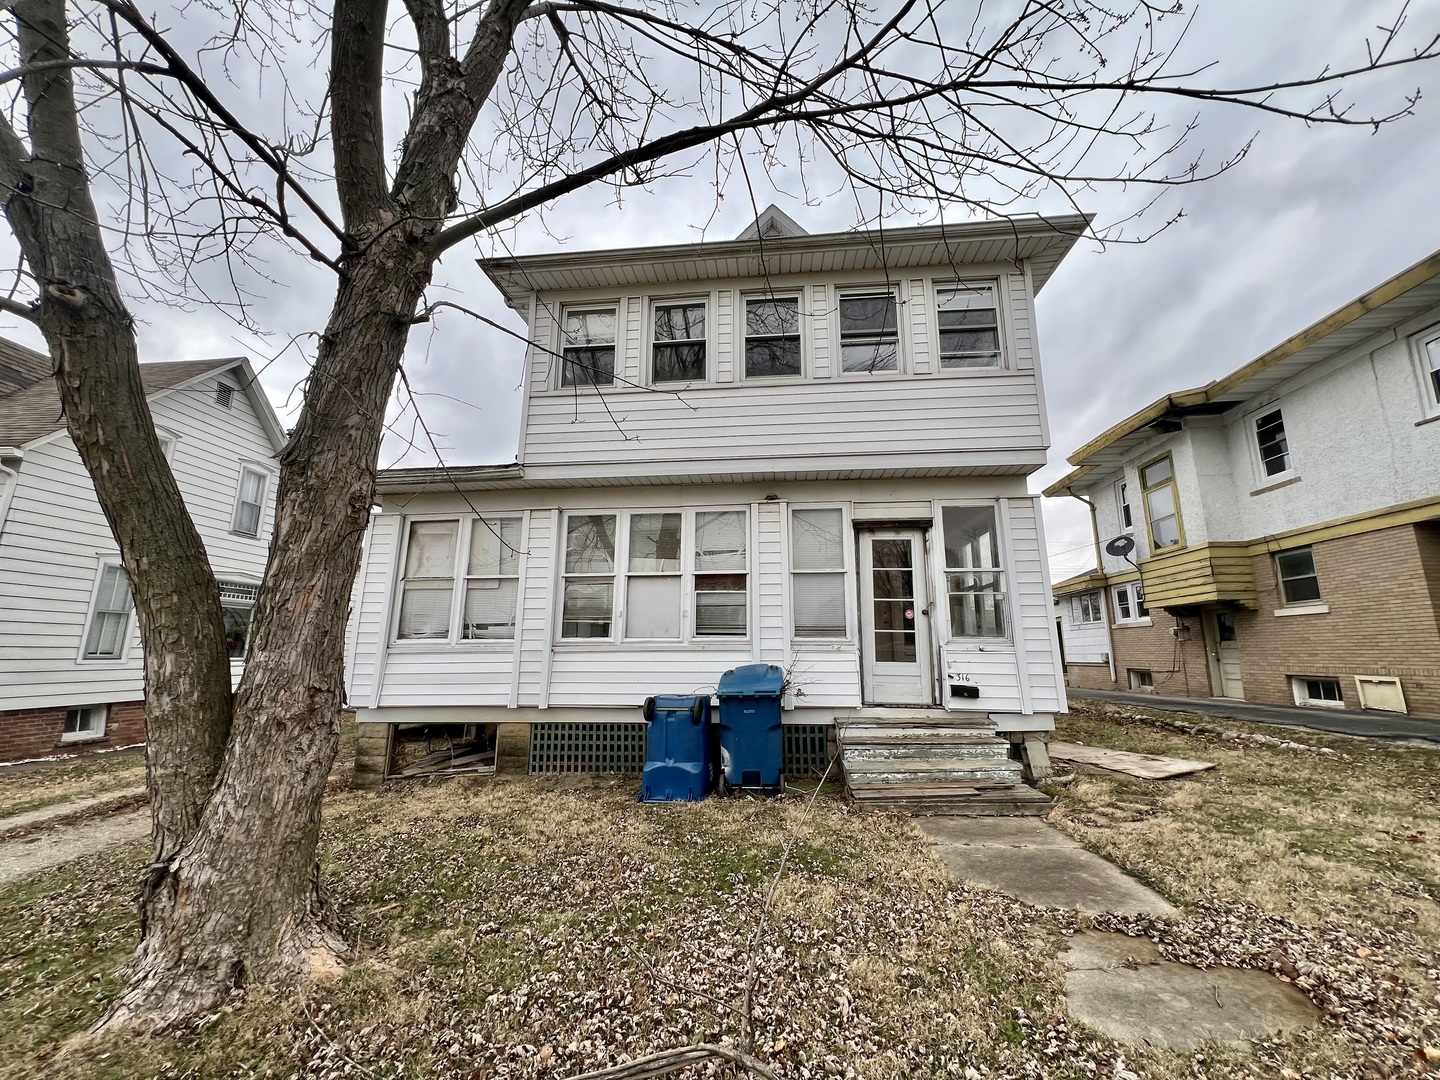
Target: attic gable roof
x=34 y=411
x=1387 y=305
x=1044 y=241
x=770 y=223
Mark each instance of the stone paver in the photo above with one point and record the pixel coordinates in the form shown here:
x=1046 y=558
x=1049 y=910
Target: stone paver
x=71 y=808
x=1121 y=987
x=54 y=847
x=1033 y=862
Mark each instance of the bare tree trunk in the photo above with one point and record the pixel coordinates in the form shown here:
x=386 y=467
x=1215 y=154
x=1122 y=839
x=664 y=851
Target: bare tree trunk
x=242 y=902
x=92 y=340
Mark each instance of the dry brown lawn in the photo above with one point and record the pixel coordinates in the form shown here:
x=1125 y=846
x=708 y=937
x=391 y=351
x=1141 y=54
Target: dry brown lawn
x=538 y=929
x=35 y=786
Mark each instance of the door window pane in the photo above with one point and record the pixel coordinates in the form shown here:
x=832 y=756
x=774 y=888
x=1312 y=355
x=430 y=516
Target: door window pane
x=894 y=648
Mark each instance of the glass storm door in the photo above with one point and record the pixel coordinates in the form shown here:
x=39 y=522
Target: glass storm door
x=894 y=622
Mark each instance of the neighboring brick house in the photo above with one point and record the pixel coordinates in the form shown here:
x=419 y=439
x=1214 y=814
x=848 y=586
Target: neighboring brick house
x=1285 y=522
x=70 y=663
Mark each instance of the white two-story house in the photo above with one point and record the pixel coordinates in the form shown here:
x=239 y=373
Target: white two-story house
x=71 y=673
x=1283 y=522
x=803 y=450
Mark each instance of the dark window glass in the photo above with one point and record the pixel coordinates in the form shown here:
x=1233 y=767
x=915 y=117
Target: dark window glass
x=1274 y=450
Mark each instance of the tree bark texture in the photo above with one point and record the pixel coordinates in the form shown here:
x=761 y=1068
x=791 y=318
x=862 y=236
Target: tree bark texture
x=241 y=902
x=92 y=341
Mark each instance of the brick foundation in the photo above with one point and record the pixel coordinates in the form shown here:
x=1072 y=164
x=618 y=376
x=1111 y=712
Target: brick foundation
x=31 y=733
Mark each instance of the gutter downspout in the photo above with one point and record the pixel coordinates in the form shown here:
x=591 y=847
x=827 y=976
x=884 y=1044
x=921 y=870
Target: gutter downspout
x=9 y=479
x=1100 y=568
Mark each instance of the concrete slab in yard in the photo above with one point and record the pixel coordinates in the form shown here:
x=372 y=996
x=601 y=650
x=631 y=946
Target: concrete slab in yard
x=1034 y=863
x=1119 y=986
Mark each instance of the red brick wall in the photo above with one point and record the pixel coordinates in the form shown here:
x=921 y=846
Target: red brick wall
x=30 y=733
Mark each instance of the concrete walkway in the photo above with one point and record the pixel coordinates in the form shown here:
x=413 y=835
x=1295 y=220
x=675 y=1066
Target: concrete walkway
x=1369 y=725
x=1037 y=864
x=62 y=843
x=74 y=808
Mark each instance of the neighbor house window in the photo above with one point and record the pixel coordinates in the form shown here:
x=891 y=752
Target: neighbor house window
x=1322 y=692
x=1161 y=507
x=249 y=502
x=1299 y=584
x=772 y=337
x=817 y=573
x=587 y=347
x=492 y=580
x=720 y=573
x=428 y=588
x=678 y=349
x=974 y=576
x=85 y=723
x=1122 y=500
x=1141 y=678
x=869 y=331
x=1270 y=441
x=656 y=571
x=1427 y=346
x=110 y=615
x=588 y=602
x=1130 y=603
x=237 y=604
x=1086 y=608
x=969 y=325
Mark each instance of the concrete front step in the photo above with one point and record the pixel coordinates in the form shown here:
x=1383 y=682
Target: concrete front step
x=937 y=799
x=867 y=733
x=940 y=772
x=983 y=749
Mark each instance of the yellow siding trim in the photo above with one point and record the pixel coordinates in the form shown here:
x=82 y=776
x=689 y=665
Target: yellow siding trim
x=1199 y=575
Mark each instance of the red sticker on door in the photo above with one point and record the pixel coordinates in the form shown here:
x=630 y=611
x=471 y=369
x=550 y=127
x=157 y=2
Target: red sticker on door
x=909 y=613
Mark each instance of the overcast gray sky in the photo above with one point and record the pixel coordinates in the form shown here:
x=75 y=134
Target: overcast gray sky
x=1312 y=218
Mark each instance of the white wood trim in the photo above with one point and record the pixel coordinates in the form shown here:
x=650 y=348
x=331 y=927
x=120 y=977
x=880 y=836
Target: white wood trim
x=352 y=632
x=1017 y=631
x=1053 y=631
x=11 y=480
x=527 y=375
x=557 y=569
x=390 y=609
x=519 y=641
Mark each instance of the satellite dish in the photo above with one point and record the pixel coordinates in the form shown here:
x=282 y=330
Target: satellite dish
x=1120 y=547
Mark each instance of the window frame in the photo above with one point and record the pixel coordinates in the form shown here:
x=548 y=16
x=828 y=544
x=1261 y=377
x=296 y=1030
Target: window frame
x=1281 y=580
x=626 y=573
x=105 y=561
x=1092 y=602
x=620 y=575
x=652 y=305
x=1124 y=508
x=615 y=306
x=1427 y=370
x=1134 y=594
x=459 y=579
x=238 y=603
x=1300 y=689
x=849 y=608
x=1257 y=453
x=1146 y=489
x=1004 y=599
x=860 y=290
x=1002 y=360
x=83 y=735
x=741 y=361
x=255 y=469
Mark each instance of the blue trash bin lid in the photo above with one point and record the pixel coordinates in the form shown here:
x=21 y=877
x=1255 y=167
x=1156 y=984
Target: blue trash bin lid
x=675 y=702
x=751 y=680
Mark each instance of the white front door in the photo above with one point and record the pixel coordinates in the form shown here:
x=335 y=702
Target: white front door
x=1224 y=655
x=894 y=623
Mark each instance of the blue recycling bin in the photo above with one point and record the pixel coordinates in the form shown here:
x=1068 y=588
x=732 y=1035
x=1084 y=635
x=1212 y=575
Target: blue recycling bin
x=679 y=765
x=752 y=747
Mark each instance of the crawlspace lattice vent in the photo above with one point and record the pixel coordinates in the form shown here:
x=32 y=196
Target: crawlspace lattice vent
x=587 y=748
x=807 y=749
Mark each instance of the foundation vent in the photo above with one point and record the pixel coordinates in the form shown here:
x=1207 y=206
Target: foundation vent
x=1380 y=692
x=807 y=750
x=587 y=748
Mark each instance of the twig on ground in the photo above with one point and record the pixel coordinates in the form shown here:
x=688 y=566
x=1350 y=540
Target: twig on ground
x=668 y=1061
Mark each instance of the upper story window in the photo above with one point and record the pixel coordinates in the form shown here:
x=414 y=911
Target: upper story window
x=588 y=346
x=817 y=573
x=1122 y=500
x=488 y=569
x=249 y=502
x=974 y=576
x=1295 y=571
x=678 y=345
x=1085 y=608
x=1271 y=443
x=772 y=336
x=109 y=615
x=1427 y=348
x=969 y=325
x=667 y=557
x=1162 y=509
x=869 y=331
